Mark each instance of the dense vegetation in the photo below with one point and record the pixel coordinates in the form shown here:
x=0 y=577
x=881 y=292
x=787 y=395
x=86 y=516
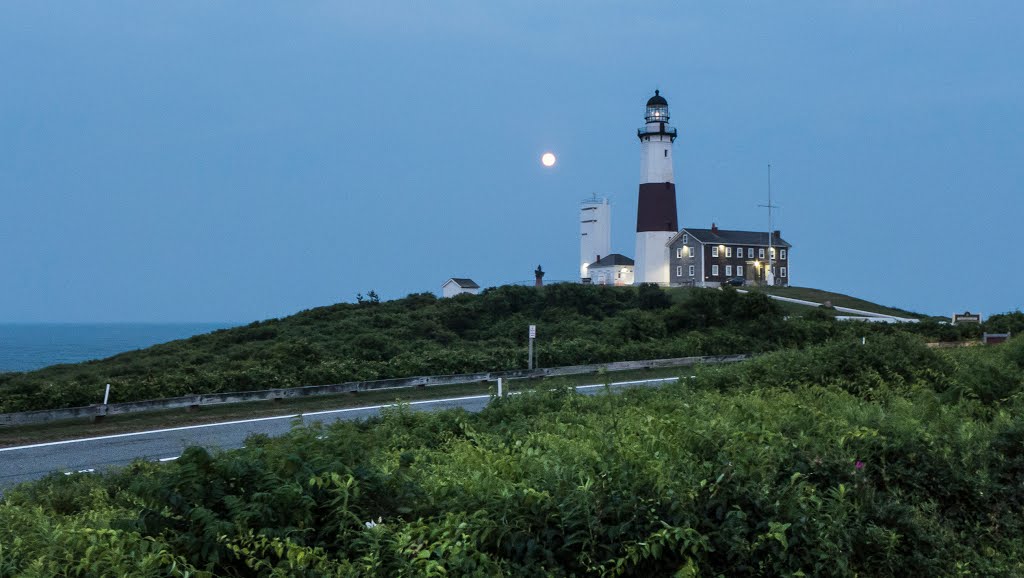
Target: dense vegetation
x=840 y=459
x=423 y=335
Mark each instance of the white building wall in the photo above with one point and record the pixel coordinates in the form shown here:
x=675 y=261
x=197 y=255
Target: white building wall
x=652 y=259
x=617 y=275
x=595 y=233
x=656 y=158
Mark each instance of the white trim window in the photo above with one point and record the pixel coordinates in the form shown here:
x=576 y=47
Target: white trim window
x=679 y=252
x=773 y=253
x=739 y=270
x=783 y=271
x=750 y=252
x=679 y=270
x=692 y=251
x=760 y=252
x=686 y=239
x=714 y=270
x=728 y=251
x=691 y=270
x=714 y=251
x=728 y=270
x=782 y=256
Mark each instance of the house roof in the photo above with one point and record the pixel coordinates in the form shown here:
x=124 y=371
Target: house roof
x=464 y=283
x=611 y=261
x=726 y=237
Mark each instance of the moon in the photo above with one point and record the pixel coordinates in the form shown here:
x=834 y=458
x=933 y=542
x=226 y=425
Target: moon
x=548 y=159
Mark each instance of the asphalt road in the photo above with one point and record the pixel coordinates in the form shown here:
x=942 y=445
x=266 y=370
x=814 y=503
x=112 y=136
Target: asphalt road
x=29 y=462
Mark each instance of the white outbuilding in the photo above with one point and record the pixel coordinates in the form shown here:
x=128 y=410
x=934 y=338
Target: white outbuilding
x=614 y=269
x=457 y=286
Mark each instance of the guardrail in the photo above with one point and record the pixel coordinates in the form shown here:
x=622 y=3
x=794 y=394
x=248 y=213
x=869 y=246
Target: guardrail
x=193 y=402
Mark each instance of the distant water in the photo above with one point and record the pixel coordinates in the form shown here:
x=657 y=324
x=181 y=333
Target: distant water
x=28 y=346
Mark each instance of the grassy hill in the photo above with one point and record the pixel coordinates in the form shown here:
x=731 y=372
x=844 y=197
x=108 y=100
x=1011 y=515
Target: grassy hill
x=423 y=335
x=841 y=300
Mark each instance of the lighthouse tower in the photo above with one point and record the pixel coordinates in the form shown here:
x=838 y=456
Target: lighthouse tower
x=656 y=221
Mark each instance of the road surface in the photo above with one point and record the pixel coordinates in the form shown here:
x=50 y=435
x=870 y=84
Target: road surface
x=29 y=462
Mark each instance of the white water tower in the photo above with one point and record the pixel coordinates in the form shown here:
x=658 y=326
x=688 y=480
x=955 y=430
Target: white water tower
x=595 y=233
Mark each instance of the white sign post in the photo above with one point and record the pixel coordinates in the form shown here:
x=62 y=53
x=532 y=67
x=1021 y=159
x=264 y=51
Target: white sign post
x=533 y=335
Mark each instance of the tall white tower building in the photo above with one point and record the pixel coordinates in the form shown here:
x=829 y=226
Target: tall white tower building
x=595 y=233
x=656 y=221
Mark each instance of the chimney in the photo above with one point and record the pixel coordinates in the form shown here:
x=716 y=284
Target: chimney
x=539 y=274
x=777 y=234
x=714 y=228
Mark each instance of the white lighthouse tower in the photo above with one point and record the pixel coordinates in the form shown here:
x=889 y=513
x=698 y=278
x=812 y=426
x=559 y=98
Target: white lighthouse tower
x=595 y=233
x=656 y=221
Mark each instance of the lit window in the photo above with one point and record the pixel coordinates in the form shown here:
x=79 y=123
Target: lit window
x=714 y=270
x=783 y=271
x=691 y=270
x=739 y=270
x=782 y=255
x=679 y=271
x=728 y=270
x=714 y=251
x=760 y=253
x=728 y=251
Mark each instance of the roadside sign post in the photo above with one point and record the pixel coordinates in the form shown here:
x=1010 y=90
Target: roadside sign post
x=533 y=335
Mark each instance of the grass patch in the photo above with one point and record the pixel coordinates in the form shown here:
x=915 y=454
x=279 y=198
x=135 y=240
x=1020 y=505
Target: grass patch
x=840 y=300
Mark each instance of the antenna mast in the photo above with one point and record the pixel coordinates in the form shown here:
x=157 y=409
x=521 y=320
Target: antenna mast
x=769 y=275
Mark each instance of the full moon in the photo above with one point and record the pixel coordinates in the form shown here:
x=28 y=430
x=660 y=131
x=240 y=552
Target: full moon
x=548 y=159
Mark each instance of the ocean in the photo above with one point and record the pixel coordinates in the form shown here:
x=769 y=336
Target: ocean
x=28 y=346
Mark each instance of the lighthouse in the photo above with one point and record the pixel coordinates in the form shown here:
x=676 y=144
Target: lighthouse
x=656 y=221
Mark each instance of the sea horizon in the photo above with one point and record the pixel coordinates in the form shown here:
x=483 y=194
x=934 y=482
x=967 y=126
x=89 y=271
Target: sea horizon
x=27 y=346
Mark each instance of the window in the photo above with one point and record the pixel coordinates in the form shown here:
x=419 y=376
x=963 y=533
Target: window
x=691 y=270
x=750 y=252
x=686 y=239
x=714 y=270
x=692 y=251
x=679 y=270
x=728 y=270
x=728 y=251
x=782 y=255
x=760 y=253
x=739 y=270
x=666 y=153
x=714 y=251
x=679 y=253
x=783 y=271
x=773 y=252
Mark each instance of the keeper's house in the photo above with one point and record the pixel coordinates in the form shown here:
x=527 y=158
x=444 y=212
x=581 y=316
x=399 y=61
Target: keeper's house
x=712 y=257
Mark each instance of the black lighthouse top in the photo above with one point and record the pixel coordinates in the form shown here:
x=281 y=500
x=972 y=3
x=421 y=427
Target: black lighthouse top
x=657 y=112
x=657 y=99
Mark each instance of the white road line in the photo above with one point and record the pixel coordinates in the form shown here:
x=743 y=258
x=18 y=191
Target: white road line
x=294 y=415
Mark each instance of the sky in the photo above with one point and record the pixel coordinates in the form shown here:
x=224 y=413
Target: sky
x=240 y=160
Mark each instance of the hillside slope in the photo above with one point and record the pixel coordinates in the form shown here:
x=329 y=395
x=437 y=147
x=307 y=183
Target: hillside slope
x=423 y=335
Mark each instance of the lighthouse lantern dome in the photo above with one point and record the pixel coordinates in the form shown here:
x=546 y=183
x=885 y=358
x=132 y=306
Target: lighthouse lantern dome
x=657 y=108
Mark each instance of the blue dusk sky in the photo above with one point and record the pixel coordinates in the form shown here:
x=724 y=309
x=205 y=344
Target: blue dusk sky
x=233 y=161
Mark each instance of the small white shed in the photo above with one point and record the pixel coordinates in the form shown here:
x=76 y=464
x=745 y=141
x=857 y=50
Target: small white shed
x=456 y=286
x=614 y=269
